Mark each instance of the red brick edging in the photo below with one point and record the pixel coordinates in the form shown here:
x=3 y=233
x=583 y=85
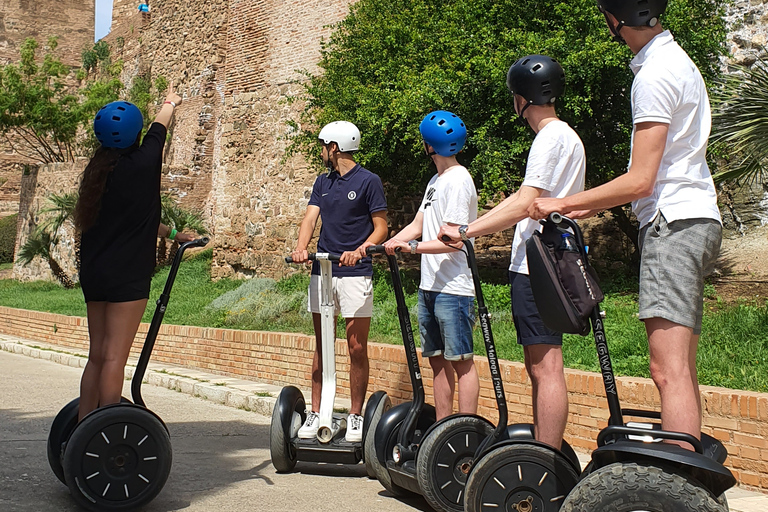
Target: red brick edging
x=738 y=418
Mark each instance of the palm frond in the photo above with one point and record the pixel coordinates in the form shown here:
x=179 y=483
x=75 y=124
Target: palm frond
x=740 y=123
x=39 y=243
x=62 y=206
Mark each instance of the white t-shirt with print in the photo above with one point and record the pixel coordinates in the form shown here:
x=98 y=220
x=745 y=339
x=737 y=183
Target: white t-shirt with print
x=668 y=88
x=451 y=197
x=557 y=165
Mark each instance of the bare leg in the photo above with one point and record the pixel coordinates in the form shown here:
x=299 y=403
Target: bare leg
x=123 y=320
x=317 y=363
x=549 y=392
x=469 y=385
x=89 y=383
x=443 y=384
x=357 y=342
x=673 y=369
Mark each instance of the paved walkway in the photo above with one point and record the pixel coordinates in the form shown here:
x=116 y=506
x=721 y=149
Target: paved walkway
x=259 y=398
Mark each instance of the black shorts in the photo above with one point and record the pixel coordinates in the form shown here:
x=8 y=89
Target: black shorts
x=135 y=290
x=528 y=324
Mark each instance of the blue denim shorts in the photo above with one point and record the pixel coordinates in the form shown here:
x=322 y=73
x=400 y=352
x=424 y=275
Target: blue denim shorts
x=445 y=325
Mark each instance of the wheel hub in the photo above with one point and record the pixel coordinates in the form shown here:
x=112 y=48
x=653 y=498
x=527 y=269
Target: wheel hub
x=526 y=504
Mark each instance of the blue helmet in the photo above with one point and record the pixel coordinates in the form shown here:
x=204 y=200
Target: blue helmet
x=444 y=131
x=118 y=124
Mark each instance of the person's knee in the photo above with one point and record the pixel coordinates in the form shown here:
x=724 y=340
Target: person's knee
x=358 y=353
x=546 y=369
x=664 y=372
x=465 y=367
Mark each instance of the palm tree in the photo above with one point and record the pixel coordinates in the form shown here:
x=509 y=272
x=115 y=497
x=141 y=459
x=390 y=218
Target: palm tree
x=740 y=124
x=41 y=243
x=63 y=210
x=180 y=219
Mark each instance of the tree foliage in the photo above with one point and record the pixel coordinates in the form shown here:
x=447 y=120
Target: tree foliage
x=740 y=124
x=40 y=114
x=392 y=61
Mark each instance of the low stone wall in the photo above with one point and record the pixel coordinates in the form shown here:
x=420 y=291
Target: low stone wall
x=738 y=418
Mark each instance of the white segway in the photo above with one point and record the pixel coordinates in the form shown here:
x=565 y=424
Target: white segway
x=330 y=445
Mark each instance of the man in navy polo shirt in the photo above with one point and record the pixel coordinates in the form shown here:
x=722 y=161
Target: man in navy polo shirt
x=351 y=201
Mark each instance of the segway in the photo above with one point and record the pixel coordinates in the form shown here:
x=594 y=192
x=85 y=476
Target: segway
x=633 y=468
x=119 y=456
x=329 y=445
x=401 y=428
x=454 y=446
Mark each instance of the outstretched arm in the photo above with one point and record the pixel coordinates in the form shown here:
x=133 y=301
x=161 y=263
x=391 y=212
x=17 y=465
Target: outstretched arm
x=166 y=111
x=647 y=150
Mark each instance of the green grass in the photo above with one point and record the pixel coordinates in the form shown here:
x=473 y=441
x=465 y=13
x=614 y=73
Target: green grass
x=733 y=350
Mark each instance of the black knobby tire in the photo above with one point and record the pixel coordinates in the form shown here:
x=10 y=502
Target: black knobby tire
x=443 y=454
x=369 y=448
x=61 y=428
x=281 y=450
x=628 y=487
x=508 y=477
x=118 y=459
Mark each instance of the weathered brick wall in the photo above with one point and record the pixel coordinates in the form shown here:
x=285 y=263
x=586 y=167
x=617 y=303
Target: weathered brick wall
x=738 y=418
x=71 y=20
x=258 y=200
x=10 y=186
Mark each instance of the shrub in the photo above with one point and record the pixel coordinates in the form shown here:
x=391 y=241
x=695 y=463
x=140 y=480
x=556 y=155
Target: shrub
x=7 y=238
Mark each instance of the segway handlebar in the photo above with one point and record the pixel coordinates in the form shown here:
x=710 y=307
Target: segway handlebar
x=379 y=249
x=157 y=319
x=317 y=256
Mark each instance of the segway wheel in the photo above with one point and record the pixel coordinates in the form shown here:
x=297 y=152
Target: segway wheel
x=61 y=428
x=444 y=458
x=369 y=448
x=627 y=487
x=287 y=415
x=525 y=477
x=117 y=459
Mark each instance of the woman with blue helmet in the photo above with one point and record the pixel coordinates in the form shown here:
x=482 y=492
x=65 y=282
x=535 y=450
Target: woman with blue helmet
x=446 y=291
x=118 y=213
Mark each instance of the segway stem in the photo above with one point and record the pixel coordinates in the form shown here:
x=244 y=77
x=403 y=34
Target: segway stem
x=490 y=349
x=410 y=422
x=157 y=319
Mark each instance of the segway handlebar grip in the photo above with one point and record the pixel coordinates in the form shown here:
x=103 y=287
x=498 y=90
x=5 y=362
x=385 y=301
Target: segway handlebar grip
x=379 y=249
x=317 y=256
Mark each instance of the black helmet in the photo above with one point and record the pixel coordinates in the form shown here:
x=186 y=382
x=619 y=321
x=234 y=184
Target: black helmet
x=634 y=13
x=537 y=78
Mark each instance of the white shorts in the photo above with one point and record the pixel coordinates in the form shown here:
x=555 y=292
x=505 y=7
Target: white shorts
x=352 y=296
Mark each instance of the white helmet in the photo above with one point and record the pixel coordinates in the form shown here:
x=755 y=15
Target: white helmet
x=343 y=133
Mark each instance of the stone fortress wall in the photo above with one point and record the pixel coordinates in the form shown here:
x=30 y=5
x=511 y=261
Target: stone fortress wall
x=235 y=63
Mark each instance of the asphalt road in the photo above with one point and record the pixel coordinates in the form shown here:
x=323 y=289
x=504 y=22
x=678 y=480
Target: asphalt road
x=220 y=455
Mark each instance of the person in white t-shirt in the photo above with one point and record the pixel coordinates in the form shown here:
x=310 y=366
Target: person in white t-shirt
x=673 y=197
x=446 y=291
x=556 y=168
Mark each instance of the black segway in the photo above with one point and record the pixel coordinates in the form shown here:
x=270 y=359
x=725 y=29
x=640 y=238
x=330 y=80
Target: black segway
x=453 y=447
x=633 y=469
x=401 y=428
x=119 y=456
x=330 y=445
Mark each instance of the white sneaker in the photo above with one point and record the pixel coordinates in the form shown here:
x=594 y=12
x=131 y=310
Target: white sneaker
x=309 y=429
x=354 y=428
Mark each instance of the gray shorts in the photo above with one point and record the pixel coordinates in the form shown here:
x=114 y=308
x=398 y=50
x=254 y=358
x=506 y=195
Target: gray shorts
x=674 y=259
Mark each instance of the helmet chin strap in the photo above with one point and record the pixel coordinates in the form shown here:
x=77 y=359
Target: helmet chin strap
x=520 y=115
x=616 y=31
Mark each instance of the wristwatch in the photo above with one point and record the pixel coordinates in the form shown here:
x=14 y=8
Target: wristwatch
x=463 y=232
x=413 y=245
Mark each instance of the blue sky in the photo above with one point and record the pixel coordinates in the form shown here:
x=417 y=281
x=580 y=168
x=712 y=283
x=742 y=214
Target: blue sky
x=103 y=17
